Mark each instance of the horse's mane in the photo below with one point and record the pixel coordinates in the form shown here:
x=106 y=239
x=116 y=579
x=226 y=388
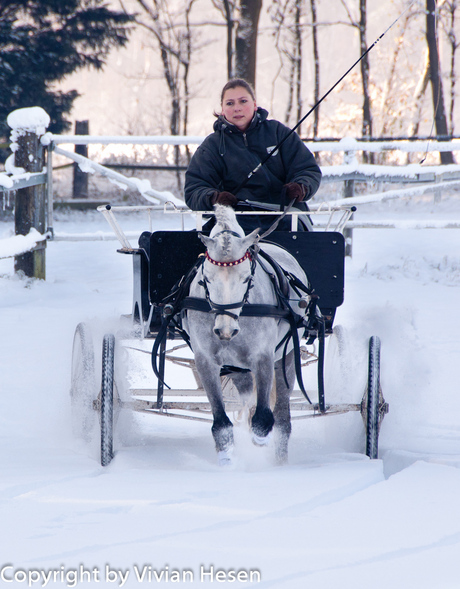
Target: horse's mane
x=226 y=221
x=225 y=216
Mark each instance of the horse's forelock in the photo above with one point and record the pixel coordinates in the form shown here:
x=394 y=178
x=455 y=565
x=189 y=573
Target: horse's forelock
x=225 y=221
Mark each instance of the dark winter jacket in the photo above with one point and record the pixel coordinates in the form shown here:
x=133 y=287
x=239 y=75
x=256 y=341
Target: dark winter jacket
x=227 y=156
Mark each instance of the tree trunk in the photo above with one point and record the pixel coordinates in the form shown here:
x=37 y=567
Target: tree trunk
x=246 y=40
x=229 y=20
x=452 y=8
x=298 y=62
x=316 y=66
x=367 y=116
x=436 y=80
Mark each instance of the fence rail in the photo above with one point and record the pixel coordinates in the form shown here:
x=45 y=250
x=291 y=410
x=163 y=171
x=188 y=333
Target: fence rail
x=346 y=144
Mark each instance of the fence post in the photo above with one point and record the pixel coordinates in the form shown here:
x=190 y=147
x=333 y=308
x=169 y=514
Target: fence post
x=80 y=179
x=28 y=125
x=348 y=191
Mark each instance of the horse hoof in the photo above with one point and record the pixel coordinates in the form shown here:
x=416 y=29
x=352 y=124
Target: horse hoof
x=261 y=440
x=225 y=458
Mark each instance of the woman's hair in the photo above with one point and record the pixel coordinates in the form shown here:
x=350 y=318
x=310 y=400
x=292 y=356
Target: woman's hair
x=237 y=83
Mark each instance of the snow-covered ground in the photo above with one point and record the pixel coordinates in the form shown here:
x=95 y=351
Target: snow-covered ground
x=331 y=518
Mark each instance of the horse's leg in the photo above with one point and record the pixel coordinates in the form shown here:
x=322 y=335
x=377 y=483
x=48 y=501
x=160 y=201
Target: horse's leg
x=282 y=410
x=263 y=420
x=222 y=427
x=244 y=383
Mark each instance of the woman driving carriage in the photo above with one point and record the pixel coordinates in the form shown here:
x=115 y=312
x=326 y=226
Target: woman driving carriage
x=242 y=138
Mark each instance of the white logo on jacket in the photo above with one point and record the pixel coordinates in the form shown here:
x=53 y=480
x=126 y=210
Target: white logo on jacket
x=270 y=149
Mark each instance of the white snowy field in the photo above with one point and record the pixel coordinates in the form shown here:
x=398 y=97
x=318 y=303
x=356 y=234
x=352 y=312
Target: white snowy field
x=163 y=508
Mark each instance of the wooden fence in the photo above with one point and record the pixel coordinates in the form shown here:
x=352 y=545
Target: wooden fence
x=33 y=186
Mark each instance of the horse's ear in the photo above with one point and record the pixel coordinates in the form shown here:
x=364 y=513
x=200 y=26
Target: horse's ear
x=207 y=241
x=251 y=238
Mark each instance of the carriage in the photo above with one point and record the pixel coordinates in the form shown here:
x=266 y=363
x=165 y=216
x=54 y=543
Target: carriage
x=164 y=265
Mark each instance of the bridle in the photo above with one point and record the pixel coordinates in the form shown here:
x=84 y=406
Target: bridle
x=225 y=309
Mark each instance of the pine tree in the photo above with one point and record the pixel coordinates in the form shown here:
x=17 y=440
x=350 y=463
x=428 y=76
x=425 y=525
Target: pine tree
x=42 y=41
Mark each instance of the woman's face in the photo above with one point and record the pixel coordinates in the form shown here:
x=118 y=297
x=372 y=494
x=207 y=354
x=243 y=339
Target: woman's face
x=238 y=107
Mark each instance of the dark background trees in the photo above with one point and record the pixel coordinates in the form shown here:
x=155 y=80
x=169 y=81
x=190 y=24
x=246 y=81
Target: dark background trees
x=42 y=41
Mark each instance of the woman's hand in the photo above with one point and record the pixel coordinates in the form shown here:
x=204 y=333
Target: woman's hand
x=294 y=191
x=226 y=199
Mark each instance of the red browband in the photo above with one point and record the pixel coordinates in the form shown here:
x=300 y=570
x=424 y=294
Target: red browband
x=247 y=256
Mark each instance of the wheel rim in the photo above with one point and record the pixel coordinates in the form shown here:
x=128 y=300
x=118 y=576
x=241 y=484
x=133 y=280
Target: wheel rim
x=108 y=355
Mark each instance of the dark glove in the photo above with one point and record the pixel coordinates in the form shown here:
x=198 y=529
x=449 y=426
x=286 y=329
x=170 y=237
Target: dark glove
x=295 y=191
x=226 y=199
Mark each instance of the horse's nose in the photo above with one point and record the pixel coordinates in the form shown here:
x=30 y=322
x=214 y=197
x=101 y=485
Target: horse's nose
x=225 y=333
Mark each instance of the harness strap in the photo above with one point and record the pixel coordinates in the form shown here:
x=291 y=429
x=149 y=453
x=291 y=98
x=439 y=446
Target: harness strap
x=280 y=274
x=171 y=306
x=285 y=278
x=248 y=310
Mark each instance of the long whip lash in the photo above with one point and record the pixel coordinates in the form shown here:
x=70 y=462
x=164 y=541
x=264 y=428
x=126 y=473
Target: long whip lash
x=313 y=108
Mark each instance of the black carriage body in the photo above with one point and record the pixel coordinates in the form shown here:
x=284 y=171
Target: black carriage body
x=164 y=257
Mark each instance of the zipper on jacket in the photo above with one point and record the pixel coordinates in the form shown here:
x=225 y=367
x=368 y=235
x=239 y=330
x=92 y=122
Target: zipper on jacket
x=245 y=140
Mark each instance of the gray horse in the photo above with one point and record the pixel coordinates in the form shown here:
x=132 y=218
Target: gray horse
x=228 y=279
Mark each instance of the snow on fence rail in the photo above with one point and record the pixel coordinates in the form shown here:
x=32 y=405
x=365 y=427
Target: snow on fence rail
x=20 y=244
x=31 y=181
x=350 y=170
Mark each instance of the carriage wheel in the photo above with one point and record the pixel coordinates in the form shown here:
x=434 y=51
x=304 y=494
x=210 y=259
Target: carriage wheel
x=106 y=402
x=373 y=407
x=83 y=388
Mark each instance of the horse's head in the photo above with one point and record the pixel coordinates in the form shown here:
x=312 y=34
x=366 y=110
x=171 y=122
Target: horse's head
x=227 y=271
